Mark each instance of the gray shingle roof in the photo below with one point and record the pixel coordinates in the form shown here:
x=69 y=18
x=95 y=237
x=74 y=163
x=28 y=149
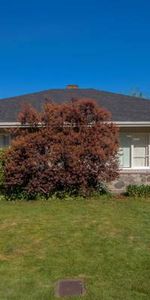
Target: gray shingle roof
x=123 y=108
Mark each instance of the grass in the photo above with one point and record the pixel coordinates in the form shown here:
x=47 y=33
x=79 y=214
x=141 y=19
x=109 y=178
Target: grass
x=104 y=241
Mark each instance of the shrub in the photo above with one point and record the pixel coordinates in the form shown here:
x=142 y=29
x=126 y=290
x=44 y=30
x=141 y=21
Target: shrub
x=138 y=190
x=72 y=150
x=102 y=188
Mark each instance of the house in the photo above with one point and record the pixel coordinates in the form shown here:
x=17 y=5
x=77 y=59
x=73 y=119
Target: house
x=131 y=114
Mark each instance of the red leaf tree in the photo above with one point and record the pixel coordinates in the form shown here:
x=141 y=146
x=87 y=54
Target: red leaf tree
x=67 y=147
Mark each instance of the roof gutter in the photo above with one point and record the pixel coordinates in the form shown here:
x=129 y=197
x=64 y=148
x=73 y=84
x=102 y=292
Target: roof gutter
x=133 y=124
x=119 y=123
x=9 y=124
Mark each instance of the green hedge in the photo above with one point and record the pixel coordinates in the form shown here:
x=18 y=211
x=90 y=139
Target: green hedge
x=142 y=190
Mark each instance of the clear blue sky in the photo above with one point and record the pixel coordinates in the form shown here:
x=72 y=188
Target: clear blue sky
x=93 y=43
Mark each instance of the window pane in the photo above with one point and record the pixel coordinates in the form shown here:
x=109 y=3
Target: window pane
x=125 y=151
x=4 y=141
x=139 y=162
x=140 y=143
x=140 y=150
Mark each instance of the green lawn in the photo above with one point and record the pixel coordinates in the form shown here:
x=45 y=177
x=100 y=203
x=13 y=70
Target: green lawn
x=104 y=241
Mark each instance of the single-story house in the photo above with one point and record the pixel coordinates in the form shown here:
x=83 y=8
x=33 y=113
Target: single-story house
x=131 y=114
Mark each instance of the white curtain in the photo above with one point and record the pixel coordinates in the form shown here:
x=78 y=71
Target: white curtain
x=125 y=151
x=140 y=148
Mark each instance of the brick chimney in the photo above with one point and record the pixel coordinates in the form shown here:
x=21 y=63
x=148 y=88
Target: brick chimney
x=72 y=86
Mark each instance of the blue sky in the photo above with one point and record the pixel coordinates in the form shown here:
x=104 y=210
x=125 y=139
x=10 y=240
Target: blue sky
x=49 y=44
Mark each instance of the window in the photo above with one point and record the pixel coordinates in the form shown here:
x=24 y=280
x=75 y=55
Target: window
x=134 y=150
x=4 y=140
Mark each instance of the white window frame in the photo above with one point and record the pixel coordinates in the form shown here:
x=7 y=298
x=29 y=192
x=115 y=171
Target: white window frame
x=132 y=153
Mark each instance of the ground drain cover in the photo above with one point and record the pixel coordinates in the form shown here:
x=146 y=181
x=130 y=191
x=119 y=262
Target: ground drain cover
x=70 y=287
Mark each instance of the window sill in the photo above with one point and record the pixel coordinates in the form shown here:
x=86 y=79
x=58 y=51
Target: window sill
x=135 y=170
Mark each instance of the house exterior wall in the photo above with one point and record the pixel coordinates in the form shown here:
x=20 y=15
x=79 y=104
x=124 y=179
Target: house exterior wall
x=127 y=177
x=131 y=176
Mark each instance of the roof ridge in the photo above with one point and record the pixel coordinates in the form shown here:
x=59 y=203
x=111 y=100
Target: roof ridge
x=73 y=90
x=47 y=90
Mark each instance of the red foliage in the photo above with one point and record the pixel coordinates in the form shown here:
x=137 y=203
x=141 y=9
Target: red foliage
x=71 y=146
